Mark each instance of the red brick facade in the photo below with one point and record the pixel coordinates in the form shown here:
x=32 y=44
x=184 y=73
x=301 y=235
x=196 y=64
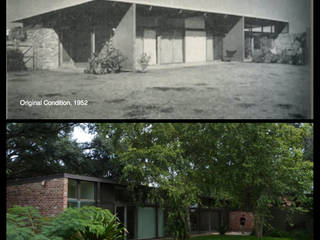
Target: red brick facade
x=50 y=197
x=234 y=221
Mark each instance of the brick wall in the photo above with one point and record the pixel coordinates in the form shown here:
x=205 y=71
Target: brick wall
x=50 y=197
x=46 y=47
x=234 y=221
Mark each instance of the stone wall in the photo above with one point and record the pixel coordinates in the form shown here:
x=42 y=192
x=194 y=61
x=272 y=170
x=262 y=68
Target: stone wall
x=234 y=221
x=50 y=197
x=45 y=47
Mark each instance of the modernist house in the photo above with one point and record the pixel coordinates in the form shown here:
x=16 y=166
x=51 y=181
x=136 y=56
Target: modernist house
x=66 y=33
x=52 y=194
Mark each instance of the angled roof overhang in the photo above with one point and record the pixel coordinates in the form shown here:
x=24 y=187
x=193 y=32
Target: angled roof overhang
x=49 y=6
x=208 y=6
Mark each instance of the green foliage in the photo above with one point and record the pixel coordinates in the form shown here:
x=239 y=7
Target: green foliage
x=225 y=237
x=109 y=60
x=86 y=223
x=35 y=149
x=176 y=226
x=24 y=223
x=247 y=166
x=15 y=60
x=298 y=235
x=223 y=229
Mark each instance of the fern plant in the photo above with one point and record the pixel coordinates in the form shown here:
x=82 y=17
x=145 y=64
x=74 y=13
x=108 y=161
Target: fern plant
x=86 y=223
x=24 y=223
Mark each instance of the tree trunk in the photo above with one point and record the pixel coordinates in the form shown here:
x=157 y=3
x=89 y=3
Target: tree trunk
x=187 y=224
x=258 y=224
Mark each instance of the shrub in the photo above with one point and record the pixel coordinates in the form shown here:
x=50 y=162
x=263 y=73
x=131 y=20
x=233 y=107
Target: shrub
x=18 y=33
x=86 y=223
x=108 y=61
x=24 y=223
x=15 y=60
x=144 y=60
x=258 y=56
x=176 y=226
x=223 y=229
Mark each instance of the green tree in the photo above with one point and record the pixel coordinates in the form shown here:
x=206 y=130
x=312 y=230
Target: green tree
x=35 y=149
x=251 y=166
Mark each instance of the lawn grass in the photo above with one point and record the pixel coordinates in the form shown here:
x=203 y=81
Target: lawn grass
x=224 y=237
x=218 y=91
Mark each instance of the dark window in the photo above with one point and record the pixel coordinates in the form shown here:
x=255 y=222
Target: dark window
x=81 y=193
x=257 y=43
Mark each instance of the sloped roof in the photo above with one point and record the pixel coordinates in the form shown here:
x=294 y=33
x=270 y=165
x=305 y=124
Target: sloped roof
x=267 y=9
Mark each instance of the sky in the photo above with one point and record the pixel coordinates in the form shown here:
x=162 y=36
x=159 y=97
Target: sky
x=81 y=136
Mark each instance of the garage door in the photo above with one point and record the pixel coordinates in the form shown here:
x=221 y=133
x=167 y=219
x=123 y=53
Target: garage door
x=146 y=223
x=195 y=46
x=171 y=47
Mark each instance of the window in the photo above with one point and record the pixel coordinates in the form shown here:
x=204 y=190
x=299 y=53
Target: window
x=81 y=193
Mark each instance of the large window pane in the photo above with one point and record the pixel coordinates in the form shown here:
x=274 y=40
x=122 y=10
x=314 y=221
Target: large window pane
x=87 y=190
x=72 y=204
x=72 y=188
x=87 y=203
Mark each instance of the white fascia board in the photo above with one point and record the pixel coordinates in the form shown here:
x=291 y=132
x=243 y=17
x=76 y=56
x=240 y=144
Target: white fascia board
x=178 y=6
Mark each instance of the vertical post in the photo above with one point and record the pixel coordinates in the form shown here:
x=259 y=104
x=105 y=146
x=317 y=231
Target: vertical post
x=210 y=220
x=61 y=36
x=243 y=39
x=125 y=219
x=93 y=40
x=199 y=219
x=33 y=57
x=78 y=193
x=157 y=230
x=134 y=22
x=158 y=49
x=98 y=194
x=136 y=212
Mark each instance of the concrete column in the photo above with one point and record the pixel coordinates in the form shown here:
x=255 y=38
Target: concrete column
x=235 y=40
x=93 y=40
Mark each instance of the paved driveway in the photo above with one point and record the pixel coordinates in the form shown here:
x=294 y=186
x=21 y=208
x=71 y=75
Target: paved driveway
x=218 y=91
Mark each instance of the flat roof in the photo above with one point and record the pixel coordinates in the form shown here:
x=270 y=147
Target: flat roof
x=60 y=175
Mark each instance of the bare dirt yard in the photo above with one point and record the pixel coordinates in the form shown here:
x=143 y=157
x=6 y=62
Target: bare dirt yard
x=218 y=91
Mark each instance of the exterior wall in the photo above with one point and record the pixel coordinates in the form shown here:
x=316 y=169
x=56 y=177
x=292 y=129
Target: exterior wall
x=234 y=221
x=45 y=47
x=125 y=35
x=50 y=197
x=234 y=40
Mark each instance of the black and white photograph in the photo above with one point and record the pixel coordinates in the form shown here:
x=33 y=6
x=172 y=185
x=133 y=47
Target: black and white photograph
x=159 y=59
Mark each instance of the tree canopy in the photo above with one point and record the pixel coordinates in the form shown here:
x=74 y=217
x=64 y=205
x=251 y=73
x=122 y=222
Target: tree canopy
x=249 y=166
